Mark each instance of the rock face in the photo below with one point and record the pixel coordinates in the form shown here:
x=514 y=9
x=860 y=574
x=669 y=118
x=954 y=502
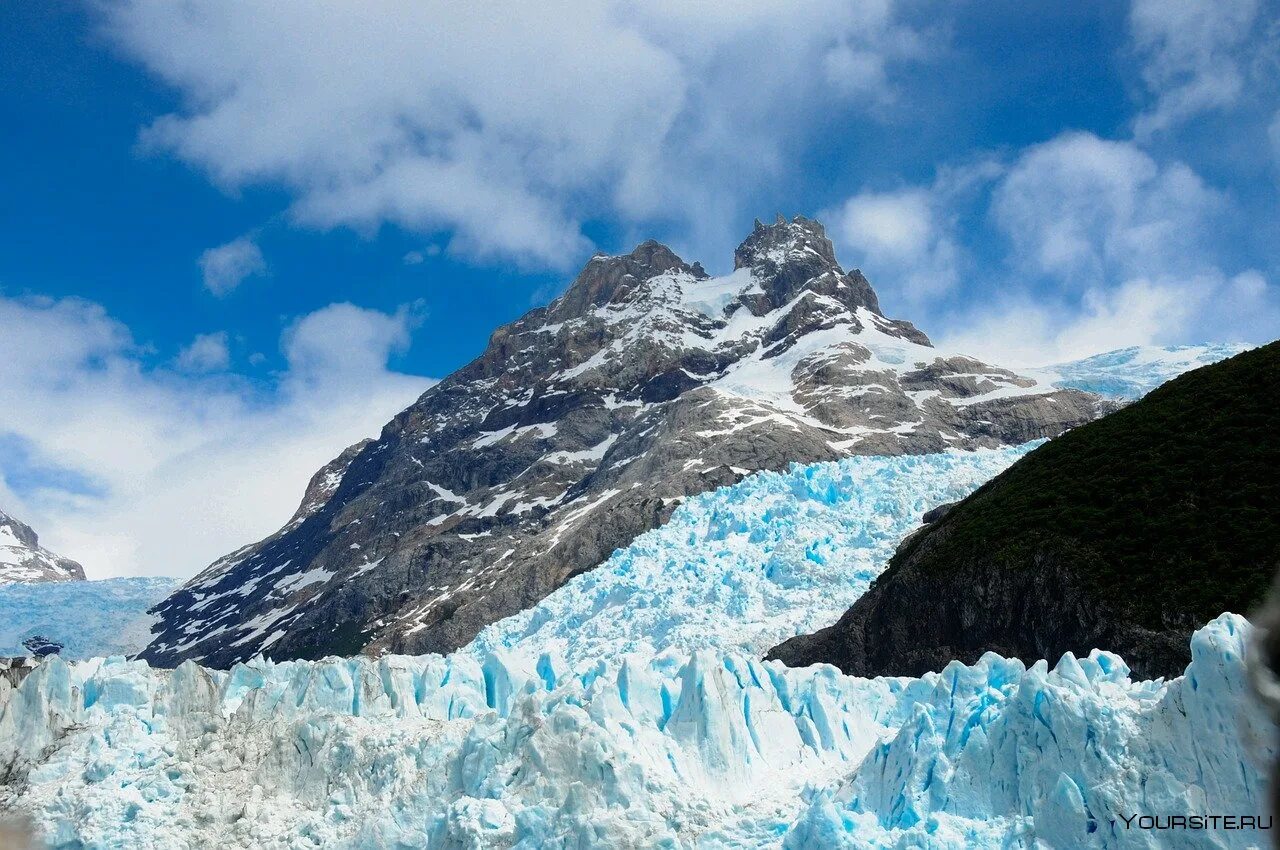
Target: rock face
x=582 y=425
x=24 y=561
x=1124 y=535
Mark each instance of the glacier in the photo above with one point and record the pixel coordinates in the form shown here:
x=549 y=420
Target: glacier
x=1130 y=373
x=717 y=750
x=629 y=708
x=745 y=567
x=89 y=618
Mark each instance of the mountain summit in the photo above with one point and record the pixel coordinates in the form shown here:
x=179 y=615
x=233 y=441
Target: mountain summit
x=24 y=561
x=582 y=425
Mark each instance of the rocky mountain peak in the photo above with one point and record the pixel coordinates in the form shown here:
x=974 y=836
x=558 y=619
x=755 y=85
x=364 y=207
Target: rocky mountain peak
x=794 y=257
x=24 y=560
x=607 y=279
x=581 y=426
x=785 y=241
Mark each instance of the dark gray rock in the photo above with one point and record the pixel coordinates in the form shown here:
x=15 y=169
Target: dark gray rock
x=915 y=619
x=41 y=647
x=582 y=425
x=934 y=514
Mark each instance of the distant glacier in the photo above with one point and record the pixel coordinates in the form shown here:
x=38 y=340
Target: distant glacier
x=106 y=617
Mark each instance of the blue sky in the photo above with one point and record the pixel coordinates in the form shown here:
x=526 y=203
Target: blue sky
x=237 y=237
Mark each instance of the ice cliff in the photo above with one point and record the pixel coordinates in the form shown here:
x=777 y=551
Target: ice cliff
x=710 y=750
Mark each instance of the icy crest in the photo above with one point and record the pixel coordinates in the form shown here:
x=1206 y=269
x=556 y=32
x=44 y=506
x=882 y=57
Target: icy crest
x=715 y=750
x=1130 y=373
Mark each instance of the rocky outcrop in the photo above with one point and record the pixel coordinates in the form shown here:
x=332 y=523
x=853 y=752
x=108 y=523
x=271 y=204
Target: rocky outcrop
x=581 y=426
x=23 y=560
x=1125 y=535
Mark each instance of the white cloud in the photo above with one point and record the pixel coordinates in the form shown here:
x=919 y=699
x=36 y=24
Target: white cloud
x=227 y=266
x=189 y=466
x=1031 y=331
x=1097 y=246
x=1108 y=248
x=908 y=239
x=1089 y=211
x=206 y=353
x=343 y=344
x=903 y=237
x=1194 y=56
x=507 y=126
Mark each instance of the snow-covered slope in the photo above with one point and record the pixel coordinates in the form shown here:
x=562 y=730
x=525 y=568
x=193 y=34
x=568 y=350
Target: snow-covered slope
x=24 y=560
x=107 y=617
x=743 y=567
x=1130 y=373
x=714 y=751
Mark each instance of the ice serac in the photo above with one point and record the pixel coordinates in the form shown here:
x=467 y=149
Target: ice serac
x=584 y=424
x=24 y=561
x=712 y=750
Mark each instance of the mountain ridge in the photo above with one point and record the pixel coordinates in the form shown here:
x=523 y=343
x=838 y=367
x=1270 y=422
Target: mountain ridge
x=583 y=424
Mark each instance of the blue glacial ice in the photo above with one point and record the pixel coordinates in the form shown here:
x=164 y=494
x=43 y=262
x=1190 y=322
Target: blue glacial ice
x=629 y=710
x=743 y=568
x=1130 y=373
x=87 y=617
x=717 y=750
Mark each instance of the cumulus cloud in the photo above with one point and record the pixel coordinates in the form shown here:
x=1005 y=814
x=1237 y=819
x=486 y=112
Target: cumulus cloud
x=909 y=239
x=904 y=237
x=206 y=353
x=507 y=127
x=343 y=344
x=1036 y=330
x=1066 y=248
x=1108 y=248
x=1086 y=210
x=227 y=266
x=176 y=468
x=1195 y=53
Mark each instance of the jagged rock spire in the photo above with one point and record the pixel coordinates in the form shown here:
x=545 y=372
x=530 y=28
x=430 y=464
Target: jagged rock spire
x=605 y=278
